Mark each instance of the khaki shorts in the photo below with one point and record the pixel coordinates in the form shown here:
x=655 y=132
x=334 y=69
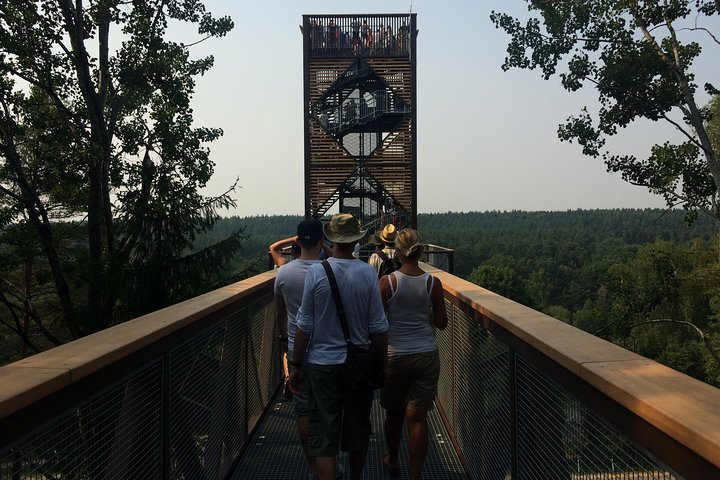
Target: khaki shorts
x=336 y=420
x=411 y=382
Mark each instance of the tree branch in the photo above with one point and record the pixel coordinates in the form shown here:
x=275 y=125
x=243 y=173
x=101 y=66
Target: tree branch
x=705 y=338
x=692 y=29
x=186 y=45
x=683 y=131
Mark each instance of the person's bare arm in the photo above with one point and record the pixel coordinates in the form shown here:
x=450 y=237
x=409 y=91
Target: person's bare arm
x=296 y=378
x=437 y=296
x=276 y=250
x=385 y=291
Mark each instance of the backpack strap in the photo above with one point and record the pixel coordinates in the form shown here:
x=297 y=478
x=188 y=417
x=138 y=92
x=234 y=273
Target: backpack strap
x=383 y=256
x=338 y=300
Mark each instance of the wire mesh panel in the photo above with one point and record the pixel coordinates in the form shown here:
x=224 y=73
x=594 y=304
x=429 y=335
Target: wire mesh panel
x=264 y=370
x=483 y=399
x=116 y=434
x=559 y=438
x=221 y=382
x=447 y=367
x=185 y=414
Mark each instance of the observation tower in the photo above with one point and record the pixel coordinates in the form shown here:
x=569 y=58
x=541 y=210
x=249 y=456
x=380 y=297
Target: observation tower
x=359 y=110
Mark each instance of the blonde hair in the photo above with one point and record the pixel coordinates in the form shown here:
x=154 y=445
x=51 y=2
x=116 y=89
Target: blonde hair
x=409 y=242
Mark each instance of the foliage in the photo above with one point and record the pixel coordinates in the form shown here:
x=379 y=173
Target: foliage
x=635 y=56
x=101 y=164
x=613 y=273
x=662 y=304
x=607 y=272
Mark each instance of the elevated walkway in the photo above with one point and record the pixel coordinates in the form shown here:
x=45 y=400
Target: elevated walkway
x=189 y=392
x=274 y=451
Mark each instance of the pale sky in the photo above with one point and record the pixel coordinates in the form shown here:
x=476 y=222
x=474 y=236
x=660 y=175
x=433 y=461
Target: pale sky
x=487 y=139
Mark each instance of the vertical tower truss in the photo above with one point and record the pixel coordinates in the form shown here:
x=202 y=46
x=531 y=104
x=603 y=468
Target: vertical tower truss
x=360 y=116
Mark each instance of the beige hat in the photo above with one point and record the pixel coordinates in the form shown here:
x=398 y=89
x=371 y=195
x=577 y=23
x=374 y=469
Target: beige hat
x=388 y=234
x=343 y=228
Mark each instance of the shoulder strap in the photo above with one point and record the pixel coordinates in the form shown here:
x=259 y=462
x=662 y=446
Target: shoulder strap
x=383 y=256
x=338 y=300
x=393 y=287
x=430 y=284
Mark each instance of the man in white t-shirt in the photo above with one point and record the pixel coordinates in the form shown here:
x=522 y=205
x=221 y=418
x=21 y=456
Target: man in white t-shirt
x=289 y=284
x=337 y=420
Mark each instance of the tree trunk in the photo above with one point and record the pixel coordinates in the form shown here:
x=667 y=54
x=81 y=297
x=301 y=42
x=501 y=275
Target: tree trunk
x=99 y=220
x=39 y=220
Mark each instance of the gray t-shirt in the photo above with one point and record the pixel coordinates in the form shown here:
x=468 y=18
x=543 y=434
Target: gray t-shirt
x=317 y=317
x=289 y=283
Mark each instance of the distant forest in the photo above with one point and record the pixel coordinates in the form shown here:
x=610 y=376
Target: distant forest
x=640 y=278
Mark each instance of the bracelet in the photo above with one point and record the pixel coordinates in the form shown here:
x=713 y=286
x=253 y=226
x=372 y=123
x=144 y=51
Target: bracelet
x=295 y=364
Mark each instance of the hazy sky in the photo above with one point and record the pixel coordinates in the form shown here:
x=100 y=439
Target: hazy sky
x=487 y=139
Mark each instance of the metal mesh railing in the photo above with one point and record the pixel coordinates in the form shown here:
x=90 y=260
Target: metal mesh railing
x=185 y=414
x=114 y=434
x=558 y=437
x=183 y=405
x=510 y=420
x=358 y=35
x=475 y=396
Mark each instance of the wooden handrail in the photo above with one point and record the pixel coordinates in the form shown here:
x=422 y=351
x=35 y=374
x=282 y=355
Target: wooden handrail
x=28 y=380
x=682 y=407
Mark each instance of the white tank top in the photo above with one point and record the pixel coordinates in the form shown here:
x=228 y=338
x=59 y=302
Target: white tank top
x=410 y=315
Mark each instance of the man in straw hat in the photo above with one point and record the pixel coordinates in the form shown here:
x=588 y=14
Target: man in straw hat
x=337 y=421
x=387 y=237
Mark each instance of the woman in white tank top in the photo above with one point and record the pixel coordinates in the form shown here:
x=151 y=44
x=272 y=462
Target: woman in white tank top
x=415 y=306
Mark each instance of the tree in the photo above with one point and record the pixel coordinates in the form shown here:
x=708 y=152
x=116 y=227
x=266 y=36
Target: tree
x=98 y=152
x=633 y=54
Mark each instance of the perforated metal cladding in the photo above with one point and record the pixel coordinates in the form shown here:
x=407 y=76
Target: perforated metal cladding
x=114 y=435
x=220 y=383
x=558 y=437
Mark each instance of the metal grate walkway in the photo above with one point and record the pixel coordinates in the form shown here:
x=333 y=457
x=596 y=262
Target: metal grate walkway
x=275 y=453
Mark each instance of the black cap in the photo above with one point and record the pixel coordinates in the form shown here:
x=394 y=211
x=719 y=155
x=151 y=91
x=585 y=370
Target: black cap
x=310 y=230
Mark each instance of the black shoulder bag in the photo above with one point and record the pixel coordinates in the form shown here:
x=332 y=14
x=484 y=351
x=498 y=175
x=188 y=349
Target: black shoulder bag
x=364 y=367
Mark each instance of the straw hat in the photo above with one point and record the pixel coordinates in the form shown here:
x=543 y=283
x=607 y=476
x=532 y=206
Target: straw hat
x=388 y=234
x=343 y=228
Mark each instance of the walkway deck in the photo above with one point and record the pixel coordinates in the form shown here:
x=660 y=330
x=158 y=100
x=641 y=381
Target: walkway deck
x=275 y=453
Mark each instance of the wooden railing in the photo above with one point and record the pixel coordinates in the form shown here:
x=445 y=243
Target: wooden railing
x=177 y=393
